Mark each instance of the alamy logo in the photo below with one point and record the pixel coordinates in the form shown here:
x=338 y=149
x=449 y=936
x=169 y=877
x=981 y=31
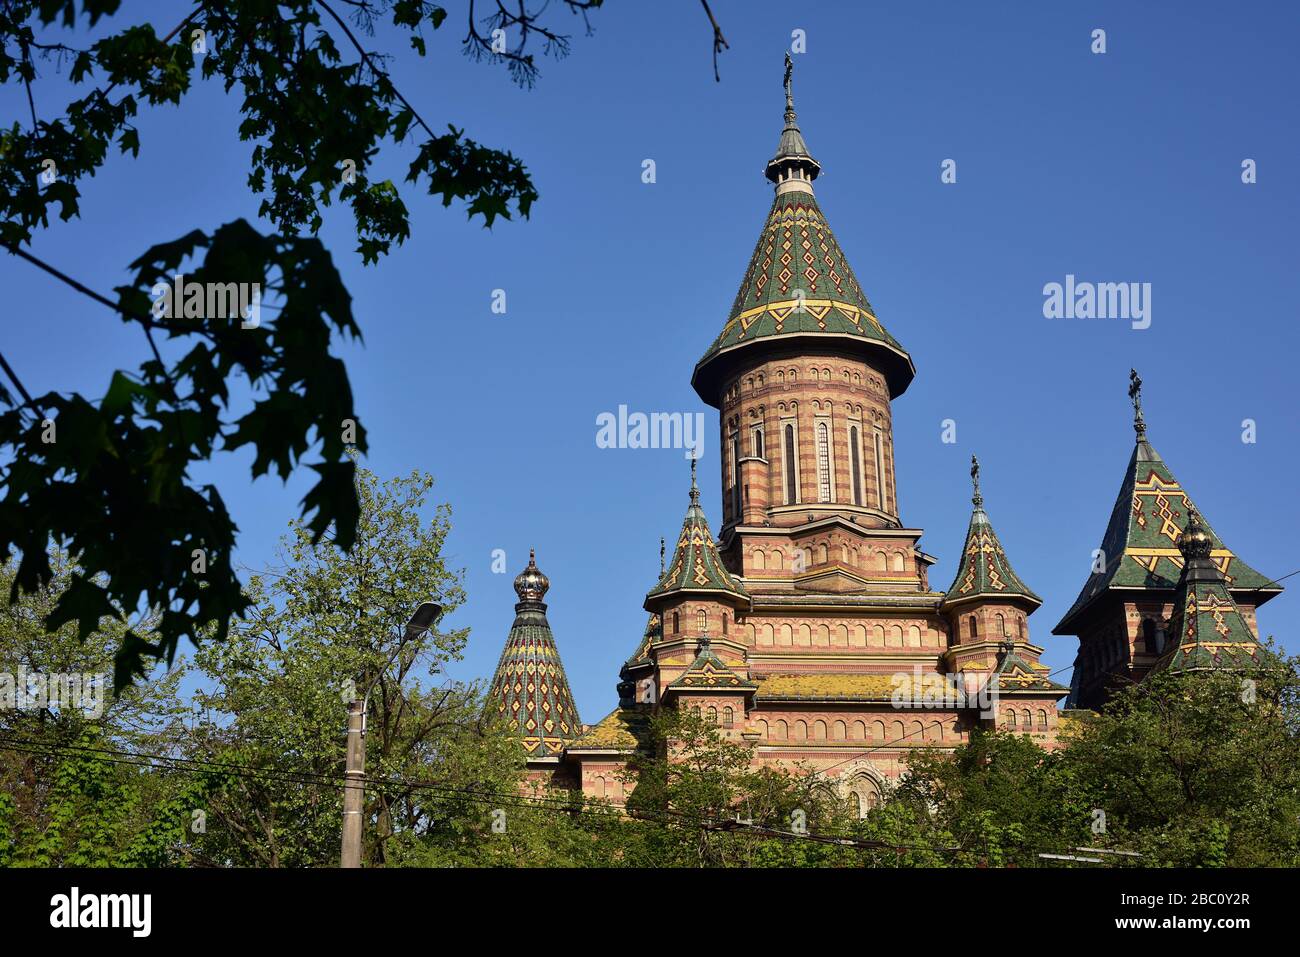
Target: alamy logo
x=655 y=430
x=186 y=299
x=134 y=911
x=1098 y=300
x=31 y=691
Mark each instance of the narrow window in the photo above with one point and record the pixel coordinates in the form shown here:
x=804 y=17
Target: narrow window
x=702 y=621
x=728 y=717
x=823 y=463
x=856 y=465
x=790 y=489
x=724 y=622
x=880 y=473
x=676 y=623
x=758 y=442
x=713 y=715
x=735 y=476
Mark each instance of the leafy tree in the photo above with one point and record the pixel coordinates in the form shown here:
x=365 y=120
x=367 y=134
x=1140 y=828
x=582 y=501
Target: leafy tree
x=1200 y=770
x=326 y=627
x=693 y=784
x=67 y=794
x=110 y=480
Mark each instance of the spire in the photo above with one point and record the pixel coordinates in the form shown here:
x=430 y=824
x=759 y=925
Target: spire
x=792 y=168
x=696 y=564
x=1137 y=550
x=529 y=688
x=799 y=287
x=985 y=571
x=1206 y=626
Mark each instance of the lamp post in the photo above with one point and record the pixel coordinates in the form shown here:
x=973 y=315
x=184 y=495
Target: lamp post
x=355 y=773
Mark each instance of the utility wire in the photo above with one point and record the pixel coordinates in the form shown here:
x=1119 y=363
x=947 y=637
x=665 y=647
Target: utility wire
x=494 y=799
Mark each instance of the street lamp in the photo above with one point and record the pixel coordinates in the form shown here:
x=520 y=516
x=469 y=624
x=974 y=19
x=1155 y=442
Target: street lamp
x=355 y=773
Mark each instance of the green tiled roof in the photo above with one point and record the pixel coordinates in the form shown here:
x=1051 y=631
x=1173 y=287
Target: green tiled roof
x=696 y=564
x=799 y=284
x=985 y=570
x=709 y=672
x=1140 y=544
x=529 y=687
x=1014 y=673
x=1206 y=625
x=654 y=631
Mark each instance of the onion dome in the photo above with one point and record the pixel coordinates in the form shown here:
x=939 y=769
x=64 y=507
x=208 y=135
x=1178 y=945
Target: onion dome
x=985 y=571
x=1139 y=547
x=1206 y=626
x=531 y=584
x=799 y=290
x=696 y=566
x=529 y=688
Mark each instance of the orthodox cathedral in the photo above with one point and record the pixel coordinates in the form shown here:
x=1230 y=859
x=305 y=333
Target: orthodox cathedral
x=809 y=627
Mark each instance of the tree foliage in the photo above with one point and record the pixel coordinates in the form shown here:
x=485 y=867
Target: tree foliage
x=111 y=480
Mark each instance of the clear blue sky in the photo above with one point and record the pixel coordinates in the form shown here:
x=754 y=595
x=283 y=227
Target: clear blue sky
x=1116 y=167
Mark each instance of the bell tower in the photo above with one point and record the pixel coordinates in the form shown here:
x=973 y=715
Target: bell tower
x=803 y=374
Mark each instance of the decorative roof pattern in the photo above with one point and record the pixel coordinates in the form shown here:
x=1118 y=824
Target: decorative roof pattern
x=848 y=687
x=1206 y=625
x=708 y=672
x=623 y=729
x=985 y=570
x=1014 y=673
x=654 y=631
x=696 y=564
x=1140 y=545
x=799 y=282
x=529 y=686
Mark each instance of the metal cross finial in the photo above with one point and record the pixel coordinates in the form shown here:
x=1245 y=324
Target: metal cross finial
x=695 y=489
x=661 y=556
x=789 y=72
x=977 y=499
x=1135 y=393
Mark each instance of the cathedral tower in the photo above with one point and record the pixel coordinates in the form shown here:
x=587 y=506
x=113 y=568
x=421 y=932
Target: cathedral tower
x=1123 y=616
x=803 y=374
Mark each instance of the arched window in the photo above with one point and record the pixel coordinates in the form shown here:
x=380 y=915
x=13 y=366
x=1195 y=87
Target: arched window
x=1001 y=625
x=676 y=623
x=823 y=463
x=735 y=476
x=791 y=487
x=1149 y=636
x=713 y=715
x=1011 y=719
x=855 y=465
x=701 y=621
x=728 y=717
x=724 y=622
x=758 y=442
x=973 y=629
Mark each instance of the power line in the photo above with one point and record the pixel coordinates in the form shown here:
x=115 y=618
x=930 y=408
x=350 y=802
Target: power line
x=495 y=799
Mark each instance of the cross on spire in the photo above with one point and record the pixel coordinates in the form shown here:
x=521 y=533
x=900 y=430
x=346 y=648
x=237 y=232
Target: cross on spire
x=789 y=74
x=1135 y=393
x=977 y=499
x=695 y=489
x=661 y=556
